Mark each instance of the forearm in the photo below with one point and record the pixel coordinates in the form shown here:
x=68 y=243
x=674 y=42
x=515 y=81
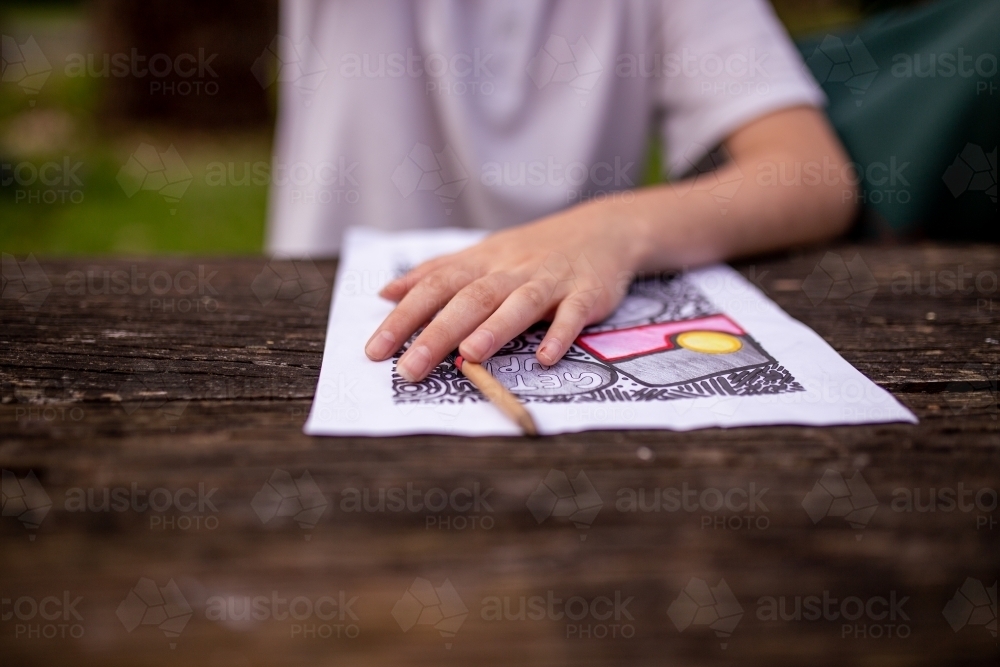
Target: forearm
x=795 y=186
x=568 y=267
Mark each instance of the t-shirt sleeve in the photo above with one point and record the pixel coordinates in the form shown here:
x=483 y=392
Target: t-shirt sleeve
x=724 y=63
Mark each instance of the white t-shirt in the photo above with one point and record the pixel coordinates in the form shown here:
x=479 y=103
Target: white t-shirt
x=469 y=113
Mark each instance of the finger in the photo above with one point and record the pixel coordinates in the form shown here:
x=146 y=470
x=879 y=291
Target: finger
x=396 y=289
x=573 y=314
x=525 y=306
x=417 y=307
x=467 y=309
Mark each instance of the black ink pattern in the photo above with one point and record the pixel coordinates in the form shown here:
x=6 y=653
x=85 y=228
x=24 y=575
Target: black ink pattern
x=581 y=377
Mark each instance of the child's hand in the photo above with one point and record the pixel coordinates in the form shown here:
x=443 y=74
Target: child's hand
x=575 y=266
x=572 y=268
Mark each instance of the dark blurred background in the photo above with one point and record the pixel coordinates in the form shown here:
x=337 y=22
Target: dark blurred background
x=76 y=133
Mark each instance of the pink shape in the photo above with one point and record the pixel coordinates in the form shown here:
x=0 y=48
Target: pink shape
x=649 y=338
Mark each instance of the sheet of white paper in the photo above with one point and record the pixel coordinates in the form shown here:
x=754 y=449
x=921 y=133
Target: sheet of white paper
x=702 y=349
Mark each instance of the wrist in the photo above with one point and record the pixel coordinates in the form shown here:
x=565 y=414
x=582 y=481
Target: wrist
x=631 y=227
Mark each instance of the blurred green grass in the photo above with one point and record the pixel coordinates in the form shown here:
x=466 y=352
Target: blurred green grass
x=62 y=122
x=216 y=219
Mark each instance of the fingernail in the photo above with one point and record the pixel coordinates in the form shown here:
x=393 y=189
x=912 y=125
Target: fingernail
x=549 y=351
x=479 y=344
x=380 y=345
x=415 y=364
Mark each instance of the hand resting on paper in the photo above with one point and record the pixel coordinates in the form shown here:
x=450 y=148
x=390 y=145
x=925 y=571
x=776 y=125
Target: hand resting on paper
x=573 y=267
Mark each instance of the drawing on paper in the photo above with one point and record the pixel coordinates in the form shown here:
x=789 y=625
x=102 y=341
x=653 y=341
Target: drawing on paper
x=666 y=341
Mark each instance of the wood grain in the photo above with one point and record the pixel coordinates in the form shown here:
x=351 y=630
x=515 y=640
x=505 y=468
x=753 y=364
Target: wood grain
x=106 y=390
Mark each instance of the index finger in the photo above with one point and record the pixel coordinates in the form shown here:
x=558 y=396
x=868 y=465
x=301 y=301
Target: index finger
x=466 y=311
x=418 y=306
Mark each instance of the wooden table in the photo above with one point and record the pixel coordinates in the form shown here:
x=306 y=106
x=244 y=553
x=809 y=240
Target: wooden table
x=180 y=374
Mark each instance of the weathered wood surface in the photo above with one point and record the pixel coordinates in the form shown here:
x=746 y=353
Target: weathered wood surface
x=106 y=390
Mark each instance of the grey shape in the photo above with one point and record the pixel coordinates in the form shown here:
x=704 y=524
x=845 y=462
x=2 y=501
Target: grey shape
x=973 y=170
x=131 y=176
x=862 y=278
x=725 y=601
x=817 y=503
x=559 y=483
x=974 y=156
x=817 y=285
x=283 y=484
x=706 y=616
x=175 y=169
x=11 y=488
x=14 y=507
x=833 y=278
x=834 y=482
x=130 y=611
x=451 y=602
x=726 y=625
x=584 y=492
x=975 y=592
x=859 y=518
x=840 y=73
x=700 y=604
x=835 y=267
x=25 y=499
x=174 y=601
x=265 y=503
x=840 y=507
x=557 y=496
x=10 y=51
x=680 y=365
x=283 y=496
x=633 y=310
x=852 y=499
x=861 y=59
x=541 y=502
x=682 y=611
x=958 y=610
x=35 y=61
x=861 y=493
x=154 y=616
x=406 y=611
x=450 y=166
x=148 y=592
x=25 y=282
x=585 y=516
x=957 y=177
x=851 y=64
x=700 y=592
x=564 y=507
x=406 y=177
x=266 y=285
x=267 y=65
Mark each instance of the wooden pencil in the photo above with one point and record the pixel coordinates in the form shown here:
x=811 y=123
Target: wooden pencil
x=498 y=394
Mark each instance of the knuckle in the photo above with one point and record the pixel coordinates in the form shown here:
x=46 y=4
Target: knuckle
x=421 y=301
x=438 y=279
x=482 y=294
x=434 y=288
x=571 y=316
x=578 y=306
x=535 y=294
x=459 y=278
x=557 y=265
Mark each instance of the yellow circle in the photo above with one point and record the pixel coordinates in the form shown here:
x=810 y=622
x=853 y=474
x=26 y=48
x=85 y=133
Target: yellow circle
x=709 y=342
